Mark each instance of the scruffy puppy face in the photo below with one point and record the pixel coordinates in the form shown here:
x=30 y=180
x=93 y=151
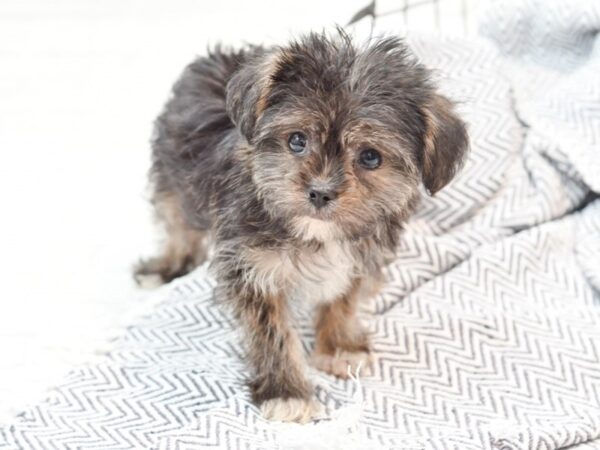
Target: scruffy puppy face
x=341 y=134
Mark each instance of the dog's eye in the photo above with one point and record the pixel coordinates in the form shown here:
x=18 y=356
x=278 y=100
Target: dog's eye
x=369 y=159
x=297 y=142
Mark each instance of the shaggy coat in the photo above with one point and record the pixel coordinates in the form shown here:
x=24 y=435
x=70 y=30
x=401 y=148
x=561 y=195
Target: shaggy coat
x=298 y=165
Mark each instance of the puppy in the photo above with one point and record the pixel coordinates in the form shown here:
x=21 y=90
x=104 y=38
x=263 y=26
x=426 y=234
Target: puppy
x=299 y=165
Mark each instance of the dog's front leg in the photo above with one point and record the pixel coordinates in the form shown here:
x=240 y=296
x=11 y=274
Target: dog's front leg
x=279 y=384
x=342 y=344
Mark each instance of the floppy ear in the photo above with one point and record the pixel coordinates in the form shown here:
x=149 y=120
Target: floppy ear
x=445 y=143
x=247 y=92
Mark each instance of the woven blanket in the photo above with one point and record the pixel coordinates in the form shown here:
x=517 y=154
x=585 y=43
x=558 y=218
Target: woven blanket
x=487 y=332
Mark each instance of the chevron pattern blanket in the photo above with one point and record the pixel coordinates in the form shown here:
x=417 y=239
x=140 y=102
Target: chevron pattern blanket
x=487 y=333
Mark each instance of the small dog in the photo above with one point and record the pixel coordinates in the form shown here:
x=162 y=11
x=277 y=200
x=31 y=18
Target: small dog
x=299 y=164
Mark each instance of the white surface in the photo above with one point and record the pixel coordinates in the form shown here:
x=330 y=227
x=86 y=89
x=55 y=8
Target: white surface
x=80 y=84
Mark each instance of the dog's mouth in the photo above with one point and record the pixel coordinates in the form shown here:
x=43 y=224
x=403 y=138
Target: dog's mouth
x=325 y=213
x=309 y=227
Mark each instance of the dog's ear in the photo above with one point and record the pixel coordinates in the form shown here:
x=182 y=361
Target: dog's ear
x=445 y=143
x=247 y=92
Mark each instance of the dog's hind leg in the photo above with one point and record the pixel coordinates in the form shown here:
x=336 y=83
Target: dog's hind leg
x=184 y=249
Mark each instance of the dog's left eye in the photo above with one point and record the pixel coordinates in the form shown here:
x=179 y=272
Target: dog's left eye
x=297 y=142
x=369 y=159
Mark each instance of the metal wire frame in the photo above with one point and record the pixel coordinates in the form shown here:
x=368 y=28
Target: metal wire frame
x=371 y=11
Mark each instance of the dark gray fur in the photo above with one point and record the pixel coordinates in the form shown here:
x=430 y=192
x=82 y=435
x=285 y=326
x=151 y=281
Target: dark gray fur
x=220 y=158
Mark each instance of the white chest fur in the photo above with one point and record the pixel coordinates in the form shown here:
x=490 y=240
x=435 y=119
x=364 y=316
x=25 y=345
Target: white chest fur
x=308 y=276
x=322 y=275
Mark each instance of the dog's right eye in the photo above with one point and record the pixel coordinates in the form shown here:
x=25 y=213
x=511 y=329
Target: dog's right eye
x=297 y=142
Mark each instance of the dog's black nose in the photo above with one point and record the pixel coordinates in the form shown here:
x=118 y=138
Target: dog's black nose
x=320 y=198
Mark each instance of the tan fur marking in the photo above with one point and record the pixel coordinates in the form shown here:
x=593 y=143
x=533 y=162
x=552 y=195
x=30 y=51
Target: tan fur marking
x=184 y=241
x=184 y=249
x=291 y=409
x=270 y=66
x=341 y=341
x=342 y=364
x=445 y=143
x=429 y=141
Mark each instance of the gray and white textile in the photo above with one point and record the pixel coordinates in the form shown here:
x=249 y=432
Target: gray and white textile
x=487 y=334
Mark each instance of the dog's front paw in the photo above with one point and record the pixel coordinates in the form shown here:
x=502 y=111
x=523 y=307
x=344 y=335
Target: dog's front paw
x=290 y=409
x=342 y=362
